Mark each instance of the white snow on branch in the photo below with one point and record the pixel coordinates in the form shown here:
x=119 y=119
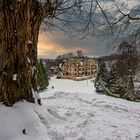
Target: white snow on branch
x=33 y=70
x=30 y=42
x=28 y=60
x=14 y=77
x=42 y=1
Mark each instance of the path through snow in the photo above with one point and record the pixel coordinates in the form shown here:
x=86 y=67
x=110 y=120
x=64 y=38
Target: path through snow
x=84 y=115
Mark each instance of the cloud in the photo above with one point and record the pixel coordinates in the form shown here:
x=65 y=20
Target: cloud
x=56 y=43
x=49 y=46
x=52 y=44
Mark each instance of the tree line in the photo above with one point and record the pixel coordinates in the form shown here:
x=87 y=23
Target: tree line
x=118 y=81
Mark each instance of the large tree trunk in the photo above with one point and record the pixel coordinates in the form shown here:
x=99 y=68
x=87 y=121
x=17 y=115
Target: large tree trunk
x=19 y=29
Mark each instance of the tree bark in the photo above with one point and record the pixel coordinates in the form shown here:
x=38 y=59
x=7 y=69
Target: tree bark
x=19 y=29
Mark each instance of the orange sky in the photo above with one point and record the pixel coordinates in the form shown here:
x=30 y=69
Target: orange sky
x=48 y=48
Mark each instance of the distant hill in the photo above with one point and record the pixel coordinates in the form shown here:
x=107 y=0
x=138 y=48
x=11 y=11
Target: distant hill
x=111 y=57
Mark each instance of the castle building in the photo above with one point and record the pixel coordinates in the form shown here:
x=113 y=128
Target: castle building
x=79 y=67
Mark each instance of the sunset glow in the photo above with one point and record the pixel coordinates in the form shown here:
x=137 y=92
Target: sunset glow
x=48 y=48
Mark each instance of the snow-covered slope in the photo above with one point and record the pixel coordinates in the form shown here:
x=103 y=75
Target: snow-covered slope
x=71 y=111
x=89 y=116
x=64 y=85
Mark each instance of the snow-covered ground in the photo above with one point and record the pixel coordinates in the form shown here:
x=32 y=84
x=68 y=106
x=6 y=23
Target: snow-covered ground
x=90 y=116
x=71 y=111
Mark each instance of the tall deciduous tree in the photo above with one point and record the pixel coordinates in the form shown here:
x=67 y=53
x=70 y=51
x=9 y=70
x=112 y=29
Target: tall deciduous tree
x=127 y=65
x=20 y=21
x=19 y=28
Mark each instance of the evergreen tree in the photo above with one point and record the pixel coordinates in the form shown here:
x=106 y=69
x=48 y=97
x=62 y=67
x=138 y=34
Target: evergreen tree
x=117 y=90
x=102 y=77
x=42 y=77
x=112 y=76
x=116 y=86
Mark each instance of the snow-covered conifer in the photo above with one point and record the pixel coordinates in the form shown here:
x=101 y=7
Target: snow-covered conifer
x=42 y=77
x=102 y=77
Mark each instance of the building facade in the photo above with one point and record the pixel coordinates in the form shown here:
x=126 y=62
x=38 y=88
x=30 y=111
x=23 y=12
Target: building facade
x=79 y=67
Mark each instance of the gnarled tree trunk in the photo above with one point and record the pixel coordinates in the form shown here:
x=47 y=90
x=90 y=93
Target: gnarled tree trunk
x=19 y=29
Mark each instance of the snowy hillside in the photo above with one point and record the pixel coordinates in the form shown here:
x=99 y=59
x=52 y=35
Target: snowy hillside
x=71 y=111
